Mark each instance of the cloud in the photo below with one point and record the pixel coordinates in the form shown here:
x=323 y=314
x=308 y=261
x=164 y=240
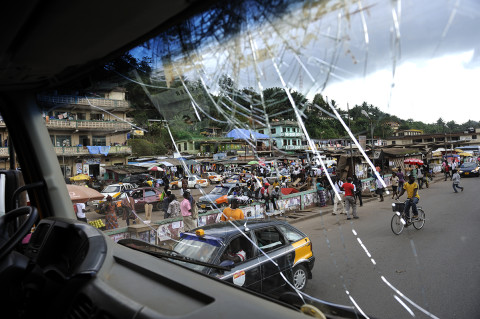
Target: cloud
x=423 y=90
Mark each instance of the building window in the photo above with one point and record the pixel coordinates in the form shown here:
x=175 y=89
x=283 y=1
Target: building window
x=185 y=146
x=96 y=117
x=99 y=140
x=81 y=116
x=294 y=142
x=284 y=129
x=285 y=142
x=474 y=137
x=84 y=140
x=394 y=142
x=63 y=140
x=273 y=130
x=179 y=147
x=260 y=131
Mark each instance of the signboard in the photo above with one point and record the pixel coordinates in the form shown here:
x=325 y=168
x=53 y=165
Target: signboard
x=138 y=133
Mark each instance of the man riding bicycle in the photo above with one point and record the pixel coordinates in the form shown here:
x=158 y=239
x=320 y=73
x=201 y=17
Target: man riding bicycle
x=412 y=196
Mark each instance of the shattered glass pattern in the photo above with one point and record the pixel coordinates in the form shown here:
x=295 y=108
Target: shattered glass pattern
x=246 y=64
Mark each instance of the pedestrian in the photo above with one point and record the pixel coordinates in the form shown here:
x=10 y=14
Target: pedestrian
x=358 y=189
x=420 y=177
x=401 y=178
x=337 y=185
x=349 y=189
x=265 y=196
x=232 y=212
x=380 y=189
x=276 y=195
x=166 y=183
x=322 y=202
x=128 y=206
x=189 y=222
x=184 y=184
x=446 y=170
x=173 y=209
x=80 y=210
x=395 y=181
x=166 y=203
x=111 y=221
x=456 y=181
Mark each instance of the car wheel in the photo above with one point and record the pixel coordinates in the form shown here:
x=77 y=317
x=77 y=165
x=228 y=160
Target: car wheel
x=197 y=186
x=157 y=206
x=300 y=277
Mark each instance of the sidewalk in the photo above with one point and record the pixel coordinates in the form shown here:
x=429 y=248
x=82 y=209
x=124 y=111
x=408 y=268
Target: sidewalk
x=315 y=211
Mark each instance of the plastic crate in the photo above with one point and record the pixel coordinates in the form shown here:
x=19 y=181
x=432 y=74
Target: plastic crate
x=398 y=207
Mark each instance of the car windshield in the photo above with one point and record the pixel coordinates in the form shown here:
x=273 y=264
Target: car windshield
x=198 y=249
x=112 y=189
x=362 y=89
x=219 y=190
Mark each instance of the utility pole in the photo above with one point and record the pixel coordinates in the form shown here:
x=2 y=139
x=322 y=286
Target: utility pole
x=351 y=150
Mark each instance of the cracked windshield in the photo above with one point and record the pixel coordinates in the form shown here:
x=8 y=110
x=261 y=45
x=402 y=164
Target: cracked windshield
x=319 y=152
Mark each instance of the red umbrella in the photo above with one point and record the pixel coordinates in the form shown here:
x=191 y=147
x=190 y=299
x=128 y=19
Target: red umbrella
x=413 y=161
x=156 y=169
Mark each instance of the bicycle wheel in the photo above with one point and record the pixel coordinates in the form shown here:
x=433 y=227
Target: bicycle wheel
x=420 y=220
x=397 y=225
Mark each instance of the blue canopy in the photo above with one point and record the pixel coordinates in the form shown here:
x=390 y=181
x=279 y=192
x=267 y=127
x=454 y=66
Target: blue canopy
x=243 y=134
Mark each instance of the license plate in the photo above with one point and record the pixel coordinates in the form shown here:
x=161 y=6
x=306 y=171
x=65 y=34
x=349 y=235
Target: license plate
x=203 y=206
x=466 y=173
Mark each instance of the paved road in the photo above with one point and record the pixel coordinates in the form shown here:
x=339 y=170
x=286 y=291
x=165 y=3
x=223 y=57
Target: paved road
x=437 y=267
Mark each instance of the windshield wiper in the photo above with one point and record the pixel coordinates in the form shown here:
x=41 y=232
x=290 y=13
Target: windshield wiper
x=164 y=252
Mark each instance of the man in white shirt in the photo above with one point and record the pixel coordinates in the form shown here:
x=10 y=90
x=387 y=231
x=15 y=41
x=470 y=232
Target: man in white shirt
x=337 y=184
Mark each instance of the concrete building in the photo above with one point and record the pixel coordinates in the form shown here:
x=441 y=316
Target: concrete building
x=286 y=135
x=88 y=133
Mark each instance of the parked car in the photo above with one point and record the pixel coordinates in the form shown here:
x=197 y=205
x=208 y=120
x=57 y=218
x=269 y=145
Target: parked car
x=273 y=176
x=141 y=196
x=469 y=169
x=114 y=190
x=214 y=177
x=218 y=195
x=194 y=181
x=137 y=179
x=285 y=245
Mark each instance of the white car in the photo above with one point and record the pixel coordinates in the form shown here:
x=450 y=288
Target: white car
x=114 y=190
x=194 y=181
x=214 y=177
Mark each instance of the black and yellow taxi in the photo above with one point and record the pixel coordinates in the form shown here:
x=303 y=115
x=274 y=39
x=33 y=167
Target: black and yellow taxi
x=268 y=256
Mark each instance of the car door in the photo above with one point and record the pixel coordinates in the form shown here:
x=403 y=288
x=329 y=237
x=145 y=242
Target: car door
x=139 y=199
x=280 y=258
x=246 y=274
x=191 y=182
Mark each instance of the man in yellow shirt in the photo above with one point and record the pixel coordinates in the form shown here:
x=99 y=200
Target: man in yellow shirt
x=232 y=212
x=412 y=195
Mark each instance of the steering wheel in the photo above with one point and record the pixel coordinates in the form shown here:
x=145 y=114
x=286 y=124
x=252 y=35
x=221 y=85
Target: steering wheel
x=8 y=243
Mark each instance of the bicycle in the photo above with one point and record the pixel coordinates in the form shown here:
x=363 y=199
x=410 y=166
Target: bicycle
x=400 y=220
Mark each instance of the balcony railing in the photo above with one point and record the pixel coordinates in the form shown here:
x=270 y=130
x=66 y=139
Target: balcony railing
x=295 y=147
x=4 y=152
x=80 y=100
x=291 y=134
x=83 y=150
x=85 y=124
